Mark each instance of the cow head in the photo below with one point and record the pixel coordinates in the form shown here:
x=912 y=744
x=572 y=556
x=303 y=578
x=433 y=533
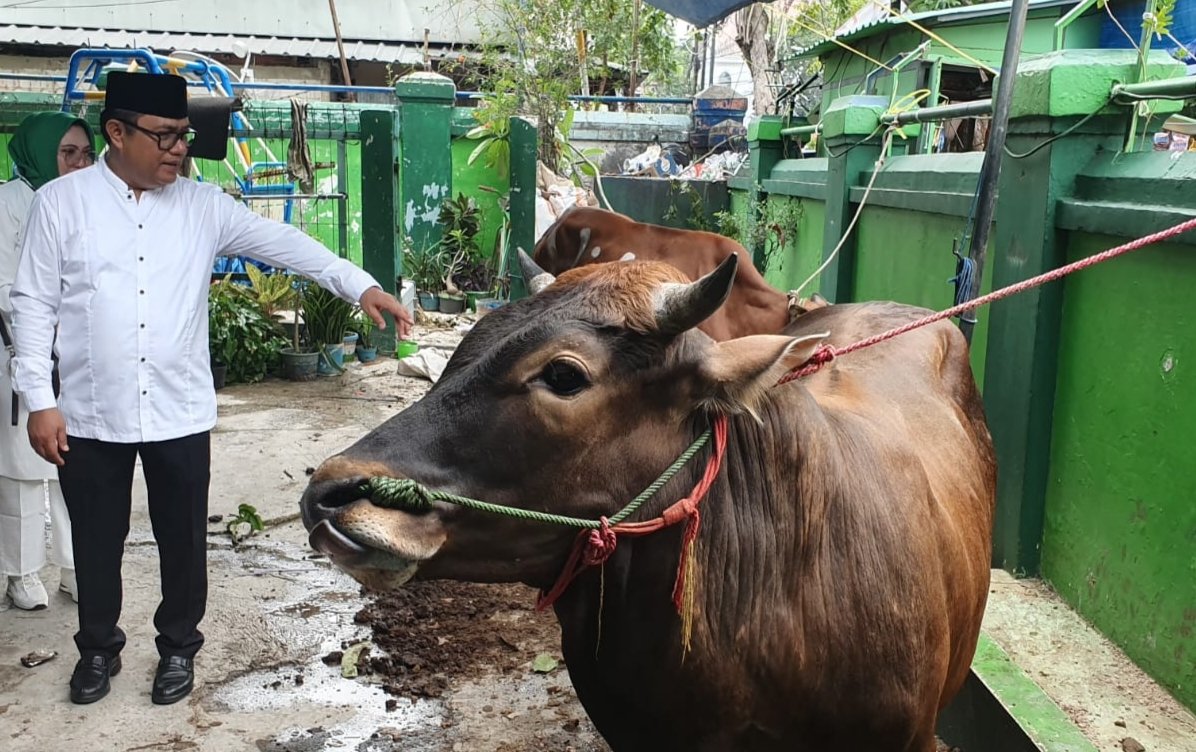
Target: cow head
x=570 y=401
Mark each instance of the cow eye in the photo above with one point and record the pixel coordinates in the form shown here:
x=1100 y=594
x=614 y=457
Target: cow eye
x=564 y=378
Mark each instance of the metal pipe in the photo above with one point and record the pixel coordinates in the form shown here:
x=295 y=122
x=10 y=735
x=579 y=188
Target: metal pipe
x=31 y=77
x=990 y=168
x=604 y=98
x=1062 y=24
x=289 y=196
x=316 y=87
x=1169 y=87
x=337 y=89
x=802 y=130
x=941 y=112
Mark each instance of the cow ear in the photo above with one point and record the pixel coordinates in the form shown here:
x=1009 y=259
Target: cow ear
x=736 y=373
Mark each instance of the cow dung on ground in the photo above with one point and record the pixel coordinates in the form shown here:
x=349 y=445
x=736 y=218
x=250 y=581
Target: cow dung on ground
x=432 y=635
x=429 y=633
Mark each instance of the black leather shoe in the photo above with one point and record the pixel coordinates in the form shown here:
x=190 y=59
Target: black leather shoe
x=173 y=682
x=89 y=682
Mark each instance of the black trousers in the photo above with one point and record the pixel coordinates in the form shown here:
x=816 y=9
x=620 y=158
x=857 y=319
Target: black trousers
x=97 y=485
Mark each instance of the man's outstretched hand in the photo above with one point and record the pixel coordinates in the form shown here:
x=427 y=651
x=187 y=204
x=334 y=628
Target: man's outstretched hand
x=374 y=302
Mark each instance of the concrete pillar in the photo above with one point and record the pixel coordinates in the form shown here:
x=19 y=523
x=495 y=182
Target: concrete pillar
x=851 y=137
x=524 y=143
x=1053 y=94
x=764 y=151
x=425 y=139
x=381 y=251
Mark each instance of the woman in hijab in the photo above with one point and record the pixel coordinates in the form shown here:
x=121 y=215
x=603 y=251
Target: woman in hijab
x=45 y=146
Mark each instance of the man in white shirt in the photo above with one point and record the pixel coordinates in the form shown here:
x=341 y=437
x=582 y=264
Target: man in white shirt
x=119 y=257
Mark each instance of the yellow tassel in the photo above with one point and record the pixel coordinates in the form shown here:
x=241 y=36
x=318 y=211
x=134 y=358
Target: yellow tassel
x=688 y=598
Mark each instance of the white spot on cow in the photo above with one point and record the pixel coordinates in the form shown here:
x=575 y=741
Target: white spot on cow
x=596 y=252
x=629 y=256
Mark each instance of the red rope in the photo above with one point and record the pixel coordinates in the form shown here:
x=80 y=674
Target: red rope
x=594 y=547
x=825 y=354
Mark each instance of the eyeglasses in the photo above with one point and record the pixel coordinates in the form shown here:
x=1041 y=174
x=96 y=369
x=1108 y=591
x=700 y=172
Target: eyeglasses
x=166 y=141
x=76 y=156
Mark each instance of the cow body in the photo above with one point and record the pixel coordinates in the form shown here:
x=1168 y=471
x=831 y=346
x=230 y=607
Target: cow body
x=842 y=564
x=587 y=235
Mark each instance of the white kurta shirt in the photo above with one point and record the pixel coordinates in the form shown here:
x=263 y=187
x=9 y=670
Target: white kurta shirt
x=126 y=280
x=17 y=458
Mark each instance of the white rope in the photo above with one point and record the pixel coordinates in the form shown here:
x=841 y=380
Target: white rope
x=880 y=162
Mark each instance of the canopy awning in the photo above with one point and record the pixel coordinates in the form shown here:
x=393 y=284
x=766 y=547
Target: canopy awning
x=700 y=13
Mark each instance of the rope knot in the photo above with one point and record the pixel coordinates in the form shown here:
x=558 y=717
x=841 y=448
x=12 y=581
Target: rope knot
x=685 y=508
x=600 y=544
x=823 y=354
x=400 y=493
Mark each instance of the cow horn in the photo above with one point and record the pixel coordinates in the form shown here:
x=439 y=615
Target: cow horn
x=684 y=306
x=534 y=277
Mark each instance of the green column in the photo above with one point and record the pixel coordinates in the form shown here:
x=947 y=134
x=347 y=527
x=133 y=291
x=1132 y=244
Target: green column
x=380 y=249
x=524 y=142
x=851 y=136
x=425 y=138
x=1053 y=93
x=764 y=151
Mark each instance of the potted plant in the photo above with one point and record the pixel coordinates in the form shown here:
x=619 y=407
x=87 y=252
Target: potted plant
x=461 y=220
x=327 y=317
x=423 y=268
x=273 y=292
x=242 y=341
x=452 y=300
x=366 y=350
x=299 y=363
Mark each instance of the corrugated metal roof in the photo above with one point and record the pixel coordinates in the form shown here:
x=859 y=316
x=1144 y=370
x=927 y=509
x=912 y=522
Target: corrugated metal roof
x=382 y=52
x=928 y=18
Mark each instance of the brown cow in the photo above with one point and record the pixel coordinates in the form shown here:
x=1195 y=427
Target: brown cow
x=842 y=565
x=586 y=235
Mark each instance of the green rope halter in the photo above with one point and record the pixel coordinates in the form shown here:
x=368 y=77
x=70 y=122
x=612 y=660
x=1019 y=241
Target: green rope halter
x=409 y=496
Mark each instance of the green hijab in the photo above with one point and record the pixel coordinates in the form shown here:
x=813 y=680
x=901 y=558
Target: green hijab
x=34 y=145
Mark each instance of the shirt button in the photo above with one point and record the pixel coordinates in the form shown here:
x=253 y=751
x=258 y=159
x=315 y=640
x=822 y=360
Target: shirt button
x=142 y=292
x=141 y=258
x=143 y=360
x=143 y=326
x=139 y=227
x=143 y=391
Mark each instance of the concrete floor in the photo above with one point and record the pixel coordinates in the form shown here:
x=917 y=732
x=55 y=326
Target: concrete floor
x=1089 y=678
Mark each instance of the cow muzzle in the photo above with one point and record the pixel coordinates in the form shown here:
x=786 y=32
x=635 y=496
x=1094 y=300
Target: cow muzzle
x=379 y=547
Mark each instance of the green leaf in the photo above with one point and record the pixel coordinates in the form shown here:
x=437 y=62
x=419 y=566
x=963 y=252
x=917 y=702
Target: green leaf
x=478 y=131
x=544 y=663
x=478 y=151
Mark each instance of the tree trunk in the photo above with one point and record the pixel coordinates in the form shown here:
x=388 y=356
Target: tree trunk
x=756 y=42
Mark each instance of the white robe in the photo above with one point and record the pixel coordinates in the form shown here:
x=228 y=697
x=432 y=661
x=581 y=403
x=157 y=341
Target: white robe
x=17 y=458
x=23 y=473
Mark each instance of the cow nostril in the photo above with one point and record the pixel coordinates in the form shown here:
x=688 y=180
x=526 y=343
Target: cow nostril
x=325 y=496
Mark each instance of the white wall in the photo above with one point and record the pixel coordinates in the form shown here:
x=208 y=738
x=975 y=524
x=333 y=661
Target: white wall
x=383 y=20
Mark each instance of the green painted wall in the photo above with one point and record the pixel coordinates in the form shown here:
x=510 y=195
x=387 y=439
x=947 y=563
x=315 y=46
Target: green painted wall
x=906 y=256
x=671 y=203
x=467 y=178
x=1119 y=542
x=801 y=255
